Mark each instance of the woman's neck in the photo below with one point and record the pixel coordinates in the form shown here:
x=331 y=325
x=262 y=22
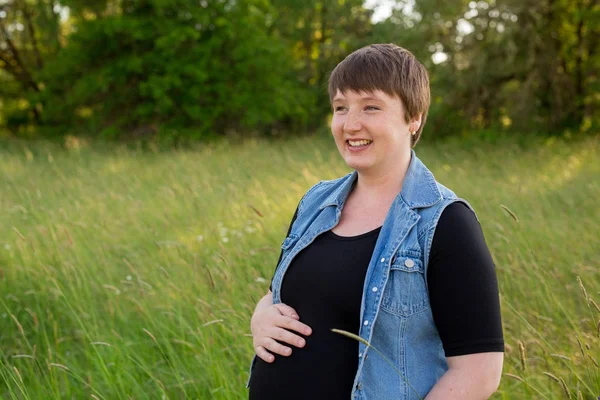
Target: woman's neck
x=385 y=182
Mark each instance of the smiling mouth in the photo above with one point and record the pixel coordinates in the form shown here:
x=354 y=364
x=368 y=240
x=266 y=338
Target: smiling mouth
x=359 y=143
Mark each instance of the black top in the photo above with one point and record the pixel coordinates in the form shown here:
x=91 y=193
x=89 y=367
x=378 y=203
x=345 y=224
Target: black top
x=463 y=295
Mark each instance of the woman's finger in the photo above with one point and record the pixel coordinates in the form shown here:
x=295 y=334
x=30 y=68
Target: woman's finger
x=286 y=310
x=264 y=355
x=285 y=336
x=294 y=325
x=276 y=348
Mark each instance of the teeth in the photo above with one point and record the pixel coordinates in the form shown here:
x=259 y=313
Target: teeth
x=359 y=142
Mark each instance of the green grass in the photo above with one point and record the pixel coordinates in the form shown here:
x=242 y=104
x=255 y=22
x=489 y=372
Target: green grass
x=128 y=273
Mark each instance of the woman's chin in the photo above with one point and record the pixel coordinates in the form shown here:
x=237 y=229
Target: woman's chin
x=359 y=165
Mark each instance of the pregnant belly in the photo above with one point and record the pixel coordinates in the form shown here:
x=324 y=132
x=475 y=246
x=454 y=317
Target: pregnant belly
x=323 y=369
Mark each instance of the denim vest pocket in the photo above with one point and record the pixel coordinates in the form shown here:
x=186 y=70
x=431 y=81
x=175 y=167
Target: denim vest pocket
x=405 y=292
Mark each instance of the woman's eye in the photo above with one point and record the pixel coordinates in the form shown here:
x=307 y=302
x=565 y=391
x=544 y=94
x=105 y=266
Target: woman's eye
x=339 y=108
x=372 y=108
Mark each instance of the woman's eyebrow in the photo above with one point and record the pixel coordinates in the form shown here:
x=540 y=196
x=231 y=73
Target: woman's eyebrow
x=371 y=98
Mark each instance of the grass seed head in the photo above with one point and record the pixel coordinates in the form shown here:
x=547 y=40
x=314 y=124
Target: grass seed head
x=352 y=335
x=18 y=373
x=580 y=345
x=585 y=294
x=564 y=386
x=596 y=306
x=57 y=365
x=522 y=356
x=516 y=377
x=549 y=375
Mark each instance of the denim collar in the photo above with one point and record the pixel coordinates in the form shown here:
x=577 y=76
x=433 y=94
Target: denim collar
x=419 y=188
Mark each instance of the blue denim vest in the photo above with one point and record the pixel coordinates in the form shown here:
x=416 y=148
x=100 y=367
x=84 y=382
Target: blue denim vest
x=396 y=317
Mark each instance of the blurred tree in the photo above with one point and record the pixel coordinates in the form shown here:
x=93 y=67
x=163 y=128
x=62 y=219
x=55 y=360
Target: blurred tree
x=29 y=35
x=504 y=63
x=152 y=63
x=320 y=34
x=262 y=65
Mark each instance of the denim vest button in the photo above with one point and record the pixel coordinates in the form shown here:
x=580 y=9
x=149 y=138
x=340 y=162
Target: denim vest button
x=375 y=289
x=383 y=260
x=366 y=323
x=409 y=263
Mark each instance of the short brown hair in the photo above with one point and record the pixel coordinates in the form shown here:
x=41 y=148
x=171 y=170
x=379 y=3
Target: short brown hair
x=391 y=69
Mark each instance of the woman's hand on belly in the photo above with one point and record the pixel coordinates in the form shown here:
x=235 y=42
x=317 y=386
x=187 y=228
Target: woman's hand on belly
x=272 y=325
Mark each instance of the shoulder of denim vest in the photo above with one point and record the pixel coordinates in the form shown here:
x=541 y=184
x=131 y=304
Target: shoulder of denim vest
x=324 y=192
x=450 y=197
x=430 y=215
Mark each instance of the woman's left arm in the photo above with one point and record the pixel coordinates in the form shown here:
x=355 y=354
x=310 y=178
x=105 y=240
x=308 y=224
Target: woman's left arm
x=469 y=377
x=465 y=303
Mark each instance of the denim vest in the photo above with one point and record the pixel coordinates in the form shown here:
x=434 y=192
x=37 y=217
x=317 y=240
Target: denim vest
x=396 y=317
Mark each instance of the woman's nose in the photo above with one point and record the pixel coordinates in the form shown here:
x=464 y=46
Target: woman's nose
x=352 y=123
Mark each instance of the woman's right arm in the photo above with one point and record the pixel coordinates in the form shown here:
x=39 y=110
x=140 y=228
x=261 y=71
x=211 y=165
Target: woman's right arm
x=274 y=324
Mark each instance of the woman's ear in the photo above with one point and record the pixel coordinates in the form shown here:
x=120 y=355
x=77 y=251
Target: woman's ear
x=415 y=124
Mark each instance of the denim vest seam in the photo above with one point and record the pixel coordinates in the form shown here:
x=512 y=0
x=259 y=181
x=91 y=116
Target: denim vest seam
x=433 y=226
x=404 y=369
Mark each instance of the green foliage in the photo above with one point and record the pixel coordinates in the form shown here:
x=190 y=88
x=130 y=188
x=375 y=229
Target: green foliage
x=173 y=65
x=518 y=65
x=144 y=67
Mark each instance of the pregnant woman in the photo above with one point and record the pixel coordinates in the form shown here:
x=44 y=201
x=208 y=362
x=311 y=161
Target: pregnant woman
x=385 y=252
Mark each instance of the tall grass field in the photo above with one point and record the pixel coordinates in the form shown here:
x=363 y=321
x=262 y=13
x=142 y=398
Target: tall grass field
x=130 y=273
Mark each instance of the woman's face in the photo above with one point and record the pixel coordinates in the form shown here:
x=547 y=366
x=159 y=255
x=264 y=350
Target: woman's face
x=369 y=130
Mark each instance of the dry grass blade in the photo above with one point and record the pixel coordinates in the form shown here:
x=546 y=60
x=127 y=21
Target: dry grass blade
x=256 y=210
x=508 y=210
x=149 y=334
x=366 y=343
x=19 y=234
